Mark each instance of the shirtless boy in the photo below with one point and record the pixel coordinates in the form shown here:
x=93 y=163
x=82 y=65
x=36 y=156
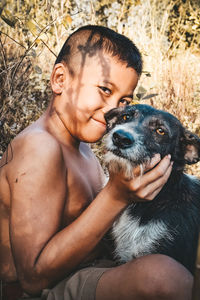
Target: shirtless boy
x=54 y=209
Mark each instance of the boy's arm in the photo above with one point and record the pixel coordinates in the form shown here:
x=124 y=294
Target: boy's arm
x=37 y=180
x=43 y=253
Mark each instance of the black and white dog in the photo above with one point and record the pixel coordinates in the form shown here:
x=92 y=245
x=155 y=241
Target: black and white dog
x=170 y=223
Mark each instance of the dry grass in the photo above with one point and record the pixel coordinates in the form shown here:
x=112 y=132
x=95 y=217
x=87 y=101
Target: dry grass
x=174 y=69
x=177 y=83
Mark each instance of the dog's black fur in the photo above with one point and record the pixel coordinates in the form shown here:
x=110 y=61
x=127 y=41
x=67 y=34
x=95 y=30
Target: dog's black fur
x=170 y=223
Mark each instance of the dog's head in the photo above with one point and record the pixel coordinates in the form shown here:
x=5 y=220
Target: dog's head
x=135 y=133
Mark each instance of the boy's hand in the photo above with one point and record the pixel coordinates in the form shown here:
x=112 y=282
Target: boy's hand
x=143 y=187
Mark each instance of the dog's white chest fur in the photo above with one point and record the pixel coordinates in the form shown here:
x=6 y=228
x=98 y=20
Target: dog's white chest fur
x=135 y=240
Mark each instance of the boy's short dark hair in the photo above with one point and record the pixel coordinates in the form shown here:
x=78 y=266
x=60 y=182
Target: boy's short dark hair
x=89 y=39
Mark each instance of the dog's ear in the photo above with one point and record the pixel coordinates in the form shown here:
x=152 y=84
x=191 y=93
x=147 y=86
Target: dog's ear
x=191 y=147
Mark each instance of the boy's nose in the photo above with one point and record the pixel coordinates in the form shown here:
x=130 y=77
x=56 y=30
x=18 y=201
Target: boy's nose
x=122 y=139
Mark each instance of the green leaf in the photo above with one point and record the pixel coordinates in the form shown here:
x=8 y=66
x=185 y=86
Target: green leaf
x=149 y=96
x=141 y=90
x=3 y=4
x=38 y=69
x=148 y=74
x=8 y=18
x=32 y=27
x=11 y=23
x=140 y=95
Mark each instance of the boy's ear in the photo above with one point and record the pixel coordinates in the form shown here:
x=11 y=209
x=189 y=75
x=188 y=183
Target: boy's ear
x=191 y=147
x=59 y=76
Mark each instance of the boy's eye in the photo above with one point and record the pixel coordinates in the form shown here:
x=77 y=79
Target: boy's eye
x=106 y=90
x=160 y=131
x=124 y=102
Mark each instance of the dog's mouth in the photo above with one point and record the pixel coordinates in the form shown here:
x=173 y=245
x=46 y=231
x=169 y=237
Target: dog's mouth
x=135 y=159
x=125 y=153
x=122 y=143
x=118 y=153
x=116 y=161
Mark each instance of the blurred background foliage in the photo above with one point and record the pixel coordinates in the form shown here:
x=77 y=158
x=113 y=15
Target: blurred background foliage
x=32 y=32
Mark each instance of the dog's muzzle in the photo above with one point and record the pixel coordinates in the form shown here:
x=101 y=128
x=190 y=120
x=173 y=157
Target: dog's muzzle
x=122 y=139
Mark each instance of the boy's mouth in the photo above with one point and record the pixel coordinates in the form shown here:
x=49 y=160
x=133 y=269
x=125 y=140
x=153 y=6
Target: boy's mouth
x=103 y=123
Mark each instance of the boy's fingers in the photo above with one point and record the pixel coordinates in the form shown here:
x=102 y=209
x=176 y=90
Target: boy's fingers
x=137 y=171
x=158 y=171
x=141 y=169
x=149 y=185
x=154 y=194
x=155 y=187
x=153 y=162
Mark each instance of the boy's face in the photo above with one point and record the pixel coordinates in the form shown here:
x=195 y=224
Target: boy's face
x=102 y=83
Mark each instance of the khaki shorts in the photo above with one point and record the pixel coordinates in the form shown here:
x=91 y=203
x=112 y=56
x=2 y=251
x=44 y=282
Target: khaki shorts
x=81 y=285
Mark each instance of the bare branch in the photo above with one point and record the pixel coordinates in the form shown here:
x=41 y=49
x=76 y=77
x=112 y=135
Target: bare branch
x=1 y=32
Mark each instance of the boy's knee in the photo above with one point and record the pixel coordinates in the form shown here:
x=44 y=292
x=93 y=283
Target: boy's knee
x=161 y=277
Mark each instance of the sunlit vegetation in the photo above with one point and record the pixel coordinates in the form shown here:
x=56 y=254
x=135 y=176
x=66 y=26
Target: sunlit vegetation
x=32 y=32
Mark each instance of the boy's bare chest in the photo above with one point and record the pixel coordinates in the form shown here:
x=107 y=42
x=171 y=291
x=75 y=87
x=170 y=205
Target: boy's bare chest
x=83 y=184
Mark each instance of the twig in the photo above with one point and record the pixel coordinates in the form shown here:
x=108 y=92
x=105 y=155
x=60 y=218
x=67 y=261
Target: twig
x=26 y=52
x=4 y=61
x=3 y=54
x=48 y=48
x=1 y=32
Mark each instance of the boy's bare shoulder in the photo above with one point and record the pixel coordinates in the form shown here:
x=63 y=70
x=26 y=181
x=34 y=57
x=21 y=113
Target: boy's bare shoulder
x=33 y=147
x=37 y=140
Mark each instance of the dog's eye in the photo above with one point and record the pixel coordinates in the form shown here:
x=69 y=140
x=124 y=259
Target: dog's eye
x=160 y=131
x=125 y=117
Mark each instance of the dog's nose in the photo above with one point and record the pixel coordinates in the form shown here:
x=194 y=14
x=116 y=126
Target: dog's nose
x=122 y=139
